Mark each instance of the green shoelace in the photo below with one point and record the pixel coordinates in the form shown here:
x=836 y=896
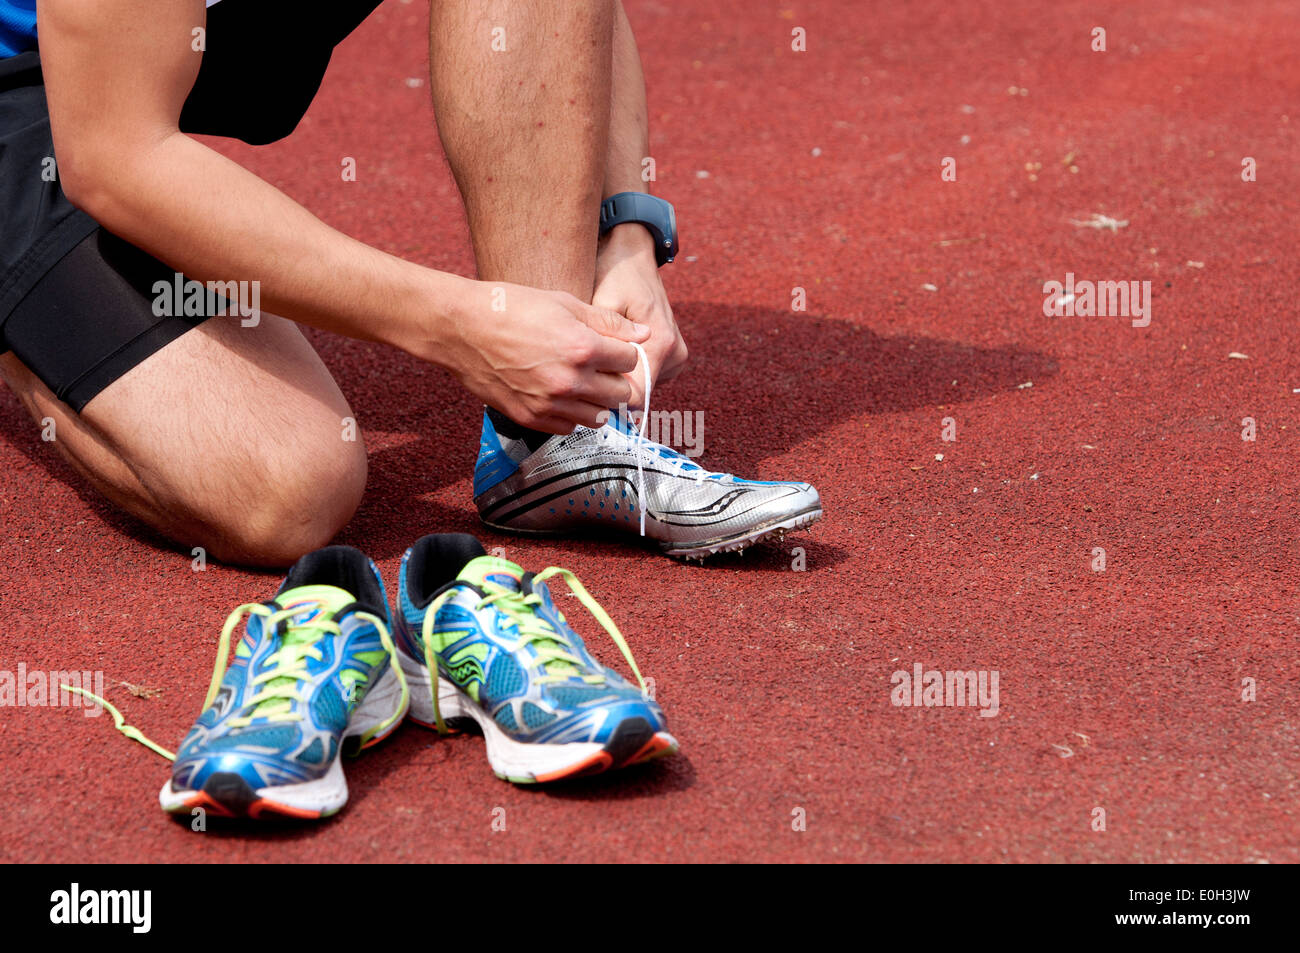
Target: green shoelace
x=553 y=650
x=286 y=666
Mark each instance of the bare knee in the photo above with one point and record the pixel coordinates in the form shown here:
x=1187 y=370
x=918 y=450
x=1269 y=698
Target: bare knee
x=297 y=508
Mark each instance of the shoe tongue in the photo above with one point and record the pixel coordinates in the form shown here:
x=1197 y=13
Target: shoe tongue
x=623 y=422
x=317 y=604
x=494 y=570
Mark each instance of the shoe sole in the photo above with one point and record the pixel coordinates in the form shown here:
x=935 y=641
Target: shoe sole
x=724 y=544
x=226 y=794
x=634 y=741
x=742 y=541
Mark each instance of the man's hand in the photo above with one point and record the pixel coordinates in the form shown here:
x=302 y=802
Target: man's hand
x=627 y=281
x=543 y=358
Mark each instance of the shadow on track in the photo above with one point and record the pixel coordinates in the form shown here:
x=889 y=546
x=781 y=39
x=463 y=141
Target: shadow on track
x=766 y=380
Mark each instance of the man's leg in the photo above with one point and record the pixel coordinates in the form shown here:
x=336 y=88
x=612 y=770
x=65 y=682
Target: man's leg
x=228 y=437
x=535 y=133
x=521 y=98
x=525 y=128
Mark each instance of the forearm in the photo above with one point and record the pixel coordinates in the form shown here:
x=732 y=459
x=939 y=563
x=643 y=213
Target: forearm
x=207 y=217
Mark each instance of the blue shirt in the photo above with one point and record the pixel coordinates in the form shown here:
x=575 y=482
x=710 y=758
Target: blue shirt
x=17 y=27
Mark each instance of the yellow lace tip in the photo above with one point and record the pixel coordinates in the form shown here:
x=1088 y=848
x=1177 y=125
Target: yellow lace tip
x=119 y=722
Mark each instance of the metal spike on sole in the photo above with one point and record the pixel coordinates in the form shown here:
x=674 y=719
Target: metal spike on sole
x=778 y=534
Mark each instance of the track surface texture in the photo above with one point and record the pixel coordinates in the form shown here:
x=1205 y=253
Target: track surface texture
x=1119 y=688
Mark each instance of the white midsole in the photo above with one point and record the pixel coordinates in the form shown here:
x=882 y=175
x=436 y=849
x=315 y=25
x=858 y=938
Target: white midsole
x=508 y=758
x=326 y=794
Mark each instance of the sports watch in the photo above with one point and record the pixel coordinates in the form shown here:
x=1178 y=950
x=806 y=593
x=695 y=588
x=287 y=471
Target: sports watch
x=652 y=212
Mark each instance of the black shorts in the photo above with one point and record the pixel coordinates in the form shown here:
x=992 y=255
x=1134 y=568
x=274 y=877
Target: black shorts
x=76 y=305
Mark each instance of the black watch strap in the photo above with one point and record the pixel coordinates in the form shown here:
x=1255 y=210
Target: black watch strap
x=651 y=211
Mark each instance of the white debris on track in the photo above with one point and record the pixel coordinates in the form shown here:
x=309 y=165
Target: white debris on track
x=1100 y=221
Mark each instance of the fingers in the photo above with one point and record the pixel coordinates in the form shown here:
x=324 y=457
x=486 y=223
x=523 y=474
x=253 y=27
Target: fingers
x=609 y=350
x=636 y=383
x=561 y=417
x=578 y=393
x=669 y=372
x=662 y=369
x=608 y=355
x=675 y=363
x=580 y=412
x=611 y=324
x=602 y=388
x=555 y=425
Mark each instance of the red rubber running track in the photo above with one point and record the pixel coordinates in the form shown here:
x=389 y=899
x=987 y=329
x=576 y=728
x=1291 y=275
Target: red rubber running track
x=1119 y=689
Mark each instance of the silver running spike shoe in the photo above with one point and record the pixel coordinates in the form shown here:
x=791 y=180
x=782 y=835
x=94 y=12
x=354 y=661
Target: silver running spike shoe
x=597 y=479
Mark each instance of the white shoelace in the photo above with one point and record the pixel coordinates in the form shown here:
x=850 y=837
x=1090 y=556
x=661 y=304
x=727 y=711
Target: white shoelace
x=641 y=440
x=640 y=437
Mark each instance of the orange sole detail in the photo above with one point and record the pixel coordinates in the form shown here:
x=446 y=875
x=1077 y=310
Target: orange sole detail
x=256 y=810
x=431 y=726
x=202 y=800
x=598 y=762
x=378 y=738
x=657 y=747
x=263 y=806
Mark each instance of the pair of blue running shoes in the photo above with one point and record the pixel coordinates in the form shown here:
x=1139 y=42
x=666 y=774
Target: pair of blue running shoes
x=324 y=668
